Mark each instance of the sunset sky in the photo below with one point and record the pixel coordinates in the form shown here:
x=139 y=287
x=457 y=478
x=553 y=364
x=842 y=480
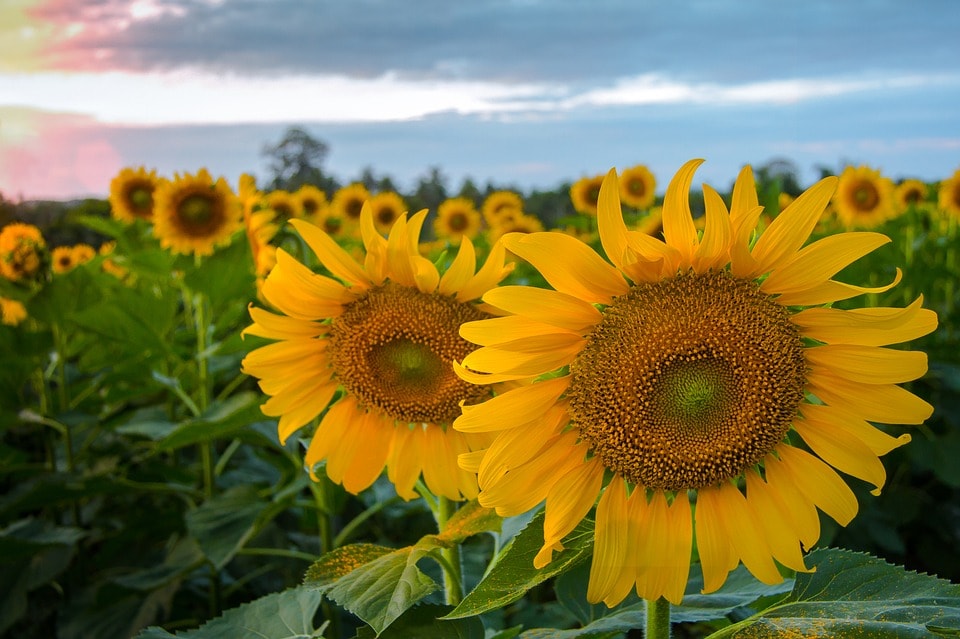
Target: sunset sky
x=528 y=93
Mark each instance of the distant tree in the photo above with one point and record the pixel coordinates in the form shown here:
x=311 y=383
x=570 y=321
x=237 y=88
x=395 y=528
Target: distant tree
x=430 y=192
x=471 y=191
x=8 y=210
x=297 y=160
x=376 y=184
x=779 y=174
x=550 y=206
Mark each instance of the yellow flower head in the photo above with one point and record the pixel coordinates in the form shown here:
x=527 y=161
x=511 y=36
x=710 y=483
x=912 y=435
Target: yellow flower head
x=584 y=194
x=195 y=214
x=22 y=252
x=348 y=201
x=510 y=222
x=109 y=264
x=61 y=259
x=83 y=253
x=312 y=201
x=500 y=203
x=132 y=194
x=386 y=208
x=674 y=383
x=638 y=187
x=909 y=193
x=371 y=349
x=948 y=195
x=283 y=204
x=12 y=312
x=864 y=198
x=457 y=217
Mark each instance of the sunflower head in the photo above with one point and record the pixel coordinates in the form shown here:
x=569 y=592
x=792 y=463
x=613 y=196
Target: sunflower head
x=456 y=218
x=948 y=195
x=638 y=187
x=372 y=349
x=195 y=214
x=500 y=203
x=864 y=198
x=23 y=252
x=348 y=202
x=909 y=194
x=284 y=204
x=386 y=208
x=312 y=201
x=510 y=222
x=584 y=194
x=132 y=194
x=696 y=387
x=61 y=259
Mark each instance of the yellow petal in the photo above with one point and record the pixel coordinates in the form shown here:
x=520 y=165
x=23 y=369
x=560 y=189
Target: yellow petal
x=653 y=251
x=484 y=379
x=471 y=461
x=375 y=263
x=878 y=326
x=502 y=330
x=414 y=225
x=286 y=355
x=789 y=230
x=403 y=462
x=569 y=500
x=664 y=543
x=425 y=274
x=273 y=326
x=300 y=293
x=308 y=405
x=569 y=265
x=714 y=248
x=818 y=262
x=868 y=364
x=776 y=523
x=331 y=254
x=333 y=429
x=790 y=502
x=399 y=267
x=489 y=275
x=461 y=269
x=678 y=228
x=819 y=483
x=609 y=582
x=879 y=442
x=831 y=291
x=745 y=533
x=717 y=556
x=884 y=403
x=613 y=231
x=375 y=436
x=515 y=446
x=493 y=359
x=842 y=451
x=440 y=470
x=745 y=208
x=543 y=305
x=513 y=408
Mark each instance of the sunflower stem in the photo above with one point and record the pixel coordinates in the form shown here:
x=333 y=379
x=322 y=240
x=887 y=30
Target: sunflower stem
x=452 y=574
x=657 y=625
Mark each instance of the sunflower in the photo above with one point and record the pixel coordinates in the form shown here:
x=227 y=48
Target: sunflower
x=348 y=201
x=83 y=253
x=283 y=204
x=864 y=198
x=584 y=194
x=386 y=207
x=23 y=252
x=109 y=264
x=908 y=194
x=688 y=373
x=194 y=213
x=132 y=194
x=514 y=223
x=12 y=312
x=948 y=195
x=457 y=217
x=372 y=351
x=638 y=187
x=258 y=224
x=500 y=203
x=61 y=259
x=312 y=201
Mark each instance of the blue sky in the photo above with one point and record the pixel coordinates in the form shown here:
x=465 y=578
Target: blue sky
x=524 y=93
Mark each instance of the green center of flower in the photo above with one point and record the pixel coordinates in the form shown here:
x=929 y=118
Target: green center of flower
x=142 y=199
x=637 y=187
x=352 y=208
x=865 y=196
x=689 y=381
x=196 y=210
x=458 y=222
x=393 y=349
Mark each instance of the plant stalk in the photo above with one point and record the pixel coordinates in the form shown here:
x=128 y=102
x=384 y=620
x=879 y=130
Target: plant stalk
x=657 y=624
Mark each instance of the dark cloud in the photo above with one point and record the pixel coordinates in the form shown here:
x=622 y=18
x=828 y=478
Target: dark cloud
x=513 y=41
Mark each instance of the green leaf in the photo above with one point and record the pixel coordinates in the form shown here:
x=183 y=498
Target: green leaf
x=855 y=595
x=223 y=524
x=340 y=562
x=225 y=277
x=423 y=622
x=283 y=615
x=514 y=574
x=469 y=520
x=222 y=419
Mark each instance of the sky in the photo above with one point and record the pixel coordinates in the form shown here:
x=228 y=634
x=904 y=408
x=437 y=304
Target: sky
x=528 y=94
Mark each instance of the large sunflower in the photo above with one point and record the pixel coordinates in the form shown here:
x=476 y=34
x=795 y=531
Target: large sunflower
x=457 y=217
x=638 y=187
x=194 y=213
x=864 y=198
x=132 y=194
x=948 y=195
x=373 y=351
x=678 y=384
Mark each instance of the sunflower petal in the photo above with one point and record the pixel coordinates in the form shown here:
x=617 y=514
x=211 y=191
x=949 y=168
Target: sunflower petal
x=501 y=330
x=717 y=556
x=496 y=360
x=867 y=326
x=884 y=403
x=515 y=446
x=461 y=269
x=441 y=473
x=569 y=500
x=745 y=534
x=664 y=544
x=819 y=483
x=375 y=436
x=879 y=442
x=843 y=451
x=302 y=294
x=678 y=228
x=868 y=364
x=543 y=305
x=799 y=510
x=609 y=582
x=581 y=273
x=403 y=462
x=789 y=230
x=493 y=270
x=714 y=248
x=273 y=326
x=818 y=262
x=331 y=254
x=775 y=522
x=612 y=229
x=375 y=262
x=332 y=430
x=513 y=408
x=831 y=291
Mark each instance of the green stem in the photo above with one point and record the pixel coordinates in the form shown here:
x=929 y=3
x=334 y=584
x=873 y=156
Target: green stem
x=452 y=577
x=657 y=625
x=320 y=489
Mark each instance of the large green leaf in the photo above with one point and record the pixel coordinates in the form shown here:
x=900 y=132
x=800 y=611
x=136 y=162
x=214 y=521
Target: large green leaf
x=283 y=615
x=222 y=419
x=514 y=574
x=469 y=520
x=226 y=277
x=855 y=595
x=223 y=524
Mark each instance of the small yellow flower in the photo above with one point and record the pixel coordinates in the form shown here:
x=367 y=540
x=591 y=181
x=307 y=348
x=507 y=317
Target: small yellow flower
x=386 y=208
x=348 y=201
x=909 y=194
x=948 y=195
x=864 y=198
x=22 y=252
x=638 y=187
x=500 y=203
x=132 y=194
x=61 y=259
x=12 y=312
x=457 y=218
x=312 y=201
x=584 y=194
x=195 y=214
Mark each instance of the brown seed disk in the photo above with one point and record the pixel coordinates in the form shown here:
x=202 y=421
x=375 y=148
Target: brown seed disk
x=688 y=381
x=394 y=347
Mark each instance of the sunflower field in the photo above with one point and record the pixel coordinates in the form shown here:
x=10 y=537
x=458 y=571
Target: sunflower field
x=228 y=411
